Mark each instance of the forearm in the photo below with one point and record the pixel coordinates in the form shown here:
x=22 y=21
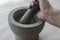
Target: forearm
x=51 y=15
x=54 y=17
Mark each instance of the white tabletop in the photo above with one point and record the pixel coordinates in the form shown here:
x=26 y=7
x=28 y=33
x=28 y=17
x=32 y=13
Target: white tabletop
x=49 y=32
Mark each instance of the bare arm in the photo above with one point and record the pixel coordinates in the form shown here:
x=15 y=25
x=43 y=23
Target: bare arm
x=54 y=17
x=49 y=14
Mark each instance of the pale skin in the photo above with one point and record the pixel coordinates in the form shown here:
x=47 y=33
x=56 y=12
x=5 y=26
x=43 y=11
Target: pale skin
x=47 y=13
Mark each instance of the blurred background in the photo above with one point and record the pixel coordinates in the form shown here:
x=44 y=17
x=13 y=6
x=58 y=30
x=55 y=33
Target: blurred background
x=49 y=32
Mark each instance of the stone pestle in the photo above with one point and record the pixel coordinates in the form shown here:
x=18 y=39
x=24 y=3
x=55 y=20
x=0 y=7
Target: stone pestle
x=30 y=13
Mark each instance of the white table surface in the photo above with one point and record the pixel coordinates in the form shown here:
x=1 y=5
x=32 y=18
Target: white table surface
x=49 y=32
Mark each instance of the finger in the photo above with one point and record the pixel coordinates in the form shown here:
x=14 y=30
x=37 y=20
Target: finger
x=36 y=0
x=31 y=4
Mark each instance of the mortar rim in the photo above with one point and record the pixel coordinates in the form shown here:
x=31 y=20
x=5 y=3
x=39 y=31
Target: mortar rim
x=11 y=20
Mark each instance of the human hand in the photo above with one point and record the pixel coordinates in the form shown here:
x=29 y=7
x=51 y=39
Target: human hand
x=44 y=8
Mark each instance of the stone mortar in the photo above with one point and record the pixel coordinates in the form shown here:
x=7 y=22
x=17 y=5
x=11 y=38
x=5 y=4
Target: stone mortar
x=24 y=31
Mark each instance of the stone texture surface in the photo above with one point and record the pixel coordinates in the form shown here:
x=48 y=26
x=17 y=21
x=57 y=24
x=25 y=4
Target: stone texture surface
x=49 y=32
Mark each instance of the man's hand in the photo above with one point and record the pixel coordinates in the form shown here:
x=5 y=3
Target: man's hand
x=44 y=8
x=47 y=13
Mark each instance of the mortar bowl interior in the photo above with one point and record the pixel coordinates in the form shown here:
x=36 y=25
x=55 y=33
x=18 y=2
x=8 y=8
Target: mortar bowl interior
x=17 y=13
